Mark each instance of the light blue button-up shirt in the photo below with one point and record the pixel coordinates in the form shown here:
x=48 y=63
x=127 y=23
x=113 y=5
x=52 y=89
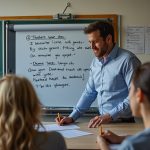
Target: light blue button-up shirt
x=109 y=82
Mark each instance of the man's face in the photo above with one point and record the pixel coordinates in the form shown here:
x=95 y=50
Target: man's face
x=98 y=44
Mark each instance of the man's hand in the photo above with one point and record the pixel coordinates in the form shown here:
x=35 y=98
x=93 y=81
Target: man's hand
x=98 y=120
x=64 y=120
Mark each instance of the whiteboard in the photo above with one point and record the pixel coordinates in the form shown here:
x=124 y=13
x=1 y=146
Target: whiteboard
x=56 y=58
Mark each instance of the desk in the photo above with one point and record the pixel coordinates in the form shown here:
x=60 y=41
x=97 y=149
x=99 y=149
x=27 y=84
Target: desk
x=89 y=142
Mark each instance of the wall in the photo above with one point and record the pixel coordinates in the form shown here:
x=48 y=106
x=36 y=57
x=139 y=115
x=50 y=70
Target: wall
x=133 y=12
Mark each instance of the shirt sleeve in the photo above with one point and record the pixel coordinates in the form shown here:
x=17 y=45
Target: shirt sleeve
x=87 y=98
x=125 y=146
x=123 y=108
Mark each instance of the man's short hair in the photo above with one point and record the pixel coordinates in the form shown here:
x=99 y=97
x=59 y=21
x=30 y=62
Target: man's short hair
x=104 y=28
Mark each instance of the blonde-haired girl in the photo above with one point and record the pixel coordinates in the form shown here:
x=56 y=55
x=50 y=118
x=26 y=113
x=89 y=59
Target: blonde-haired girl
x=19 y=118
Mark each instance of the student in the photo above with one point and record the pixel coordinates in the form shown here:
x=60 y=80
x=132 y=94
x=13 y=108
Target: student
x=19 y=118
x=109 y=80
x=140 y=106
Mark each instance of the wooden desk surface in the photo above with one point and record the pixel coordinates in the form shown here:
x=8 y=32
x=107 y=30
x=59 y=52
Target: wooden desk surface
x=89 y=142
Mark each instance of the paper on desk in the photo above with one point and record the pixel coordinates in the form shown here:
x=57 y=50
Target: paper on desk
x=73 y=133
x=56 y=127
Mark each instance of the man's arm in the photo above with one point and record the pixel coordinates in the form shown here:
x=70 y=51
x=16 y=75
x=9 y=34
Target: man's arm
x=88 y=97
x=83 y=105
x=123 y=108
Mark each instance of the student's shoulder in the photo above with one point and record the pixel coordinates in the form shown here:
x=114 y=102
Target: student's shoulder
x=138 y=141
x=50 y=135
x=54 y=134
x=141 y=136
x=52 y=139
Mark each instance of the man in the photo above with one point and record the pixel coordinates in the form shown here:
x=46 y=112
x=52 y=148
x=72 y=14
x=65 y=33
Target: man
x=109 y=79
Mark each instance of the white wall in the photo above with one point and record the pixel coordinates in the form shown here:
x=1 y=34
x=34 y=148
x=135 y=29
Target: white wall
x=133 y=12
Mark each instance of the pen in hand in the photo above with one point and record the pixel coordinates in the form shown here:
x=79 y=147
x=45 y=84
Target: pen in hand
x=58 y=116
x=101 y=130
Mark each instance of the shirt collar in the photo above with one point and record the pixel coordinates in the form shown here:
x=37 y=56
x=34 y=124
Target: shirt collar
x=111 y=55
